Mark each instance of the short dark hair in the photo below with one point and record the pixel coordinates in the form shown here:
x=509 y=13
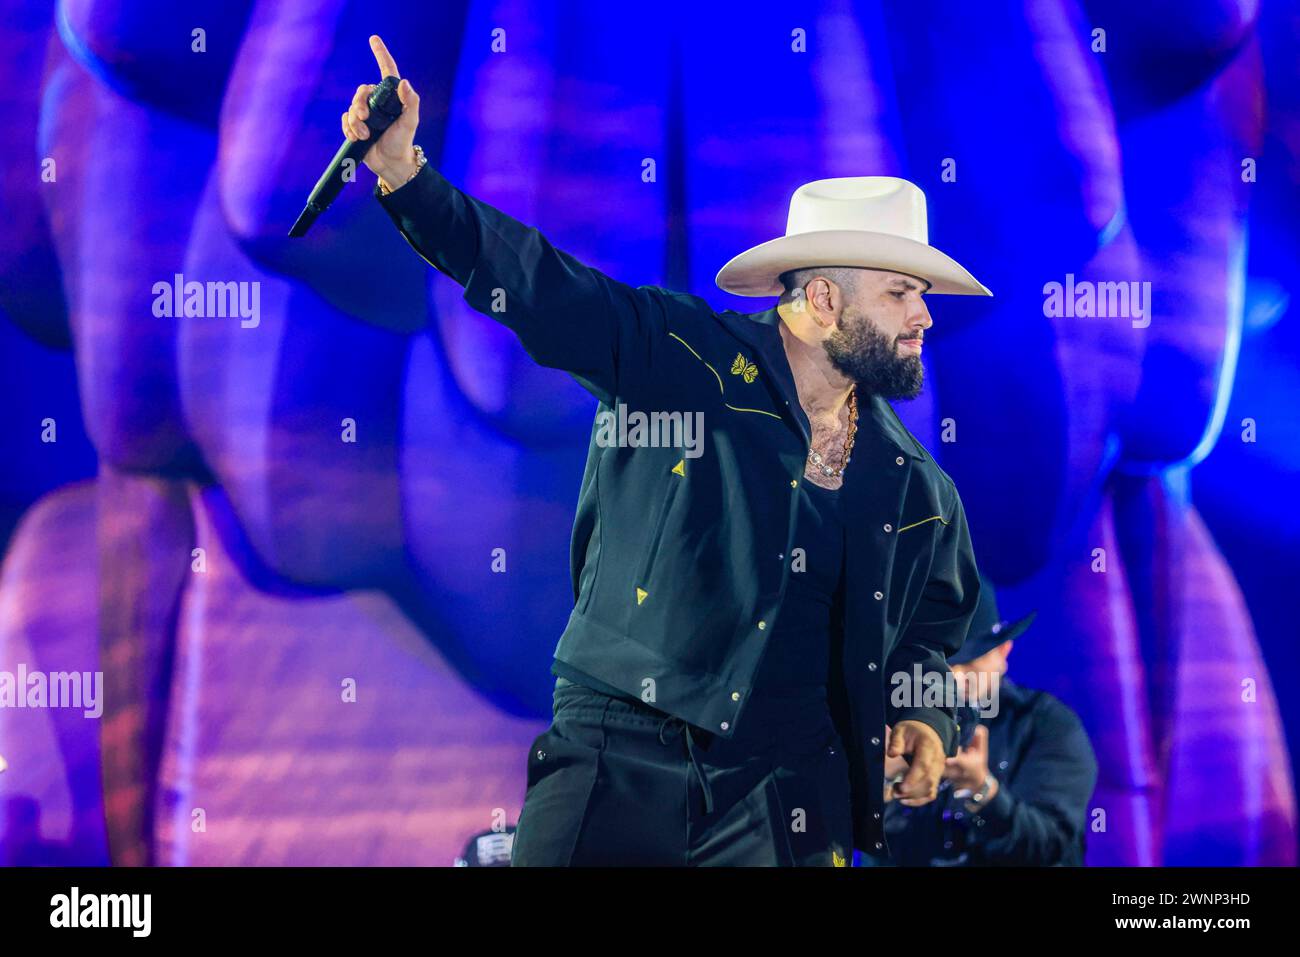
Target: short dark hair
x=846 y=277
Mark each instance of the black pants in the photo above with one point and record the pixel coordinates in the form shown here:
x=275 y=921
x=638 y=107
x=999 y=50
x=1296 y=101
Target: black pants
x=614 y=782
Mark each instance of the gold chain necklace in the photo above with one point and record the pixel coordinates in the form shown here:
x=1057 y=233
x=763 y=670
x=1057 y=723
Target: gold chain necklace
x=815 y=457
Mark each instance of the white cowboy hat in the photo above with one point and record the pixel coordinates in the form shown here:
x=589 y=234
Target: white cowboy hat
x=872 y=222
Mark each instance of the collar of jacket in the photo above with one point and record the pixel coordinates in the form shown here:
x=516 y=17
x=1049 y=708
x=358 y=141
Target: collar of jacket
x=762 y=331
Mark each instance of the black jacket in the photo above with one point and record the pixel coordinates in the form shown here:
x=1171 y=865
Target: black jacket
x=679 y=564
x=1046 y=771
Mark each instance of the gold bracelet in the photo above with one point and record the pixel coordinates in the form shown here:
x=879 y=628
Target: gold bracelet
x=420 y=160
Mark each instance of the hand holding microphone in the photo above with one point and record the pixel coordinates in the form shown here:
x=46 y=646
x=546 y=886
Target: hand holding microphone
x=380 y=129
x=392 y=156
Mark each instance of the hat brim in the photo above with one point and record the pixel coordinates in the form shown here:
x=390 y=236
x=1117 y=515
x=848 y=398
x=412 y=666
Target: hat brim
x=978 y=645
x=755 y=272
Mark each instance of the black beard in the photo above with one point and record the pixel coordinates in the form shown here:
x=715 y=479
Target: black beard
x=870 y=358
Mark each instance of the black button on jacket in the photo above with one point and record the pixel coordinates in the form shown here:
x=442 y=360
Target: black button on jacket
x=679 y=564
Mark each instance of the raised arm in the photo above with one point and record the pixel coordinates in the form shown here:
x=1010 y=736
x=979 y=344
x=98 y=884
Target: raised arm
x=567 y=315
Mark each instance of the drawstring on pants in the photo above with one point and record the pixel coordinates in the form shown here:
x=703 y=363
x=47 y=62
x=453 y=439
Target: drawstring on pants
x=677 y=724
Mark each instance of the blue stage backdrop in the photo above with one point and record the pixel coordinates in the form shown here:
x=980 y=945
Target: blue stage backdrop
x=317 y=547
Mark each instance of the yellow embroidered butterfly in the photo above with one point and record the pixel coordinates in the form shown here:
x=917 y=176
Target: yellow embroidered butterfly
x=741 y=367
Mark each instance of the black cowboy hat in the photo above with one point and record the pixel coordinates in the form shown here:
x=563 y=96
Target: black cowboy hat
x=988 y=628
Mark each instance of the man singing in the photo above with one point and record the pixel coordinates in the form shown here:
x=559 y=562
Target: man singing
x=720 y=692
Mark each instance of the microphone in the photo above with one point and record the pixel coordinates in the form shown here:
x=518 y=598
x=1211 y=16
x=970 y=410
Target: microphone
x=385 y=107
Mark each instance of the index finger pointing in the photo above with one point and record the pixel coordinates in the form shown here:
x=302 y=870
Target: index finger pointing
x=387 y=65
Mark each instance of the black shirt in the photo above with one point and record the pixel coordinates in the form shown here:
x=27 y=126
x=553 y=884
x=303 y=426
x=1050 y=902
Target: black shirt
x=798 y=655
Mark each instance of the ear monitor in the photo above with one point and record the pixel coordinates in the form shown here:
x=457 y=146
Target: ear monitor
x=385 y=107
